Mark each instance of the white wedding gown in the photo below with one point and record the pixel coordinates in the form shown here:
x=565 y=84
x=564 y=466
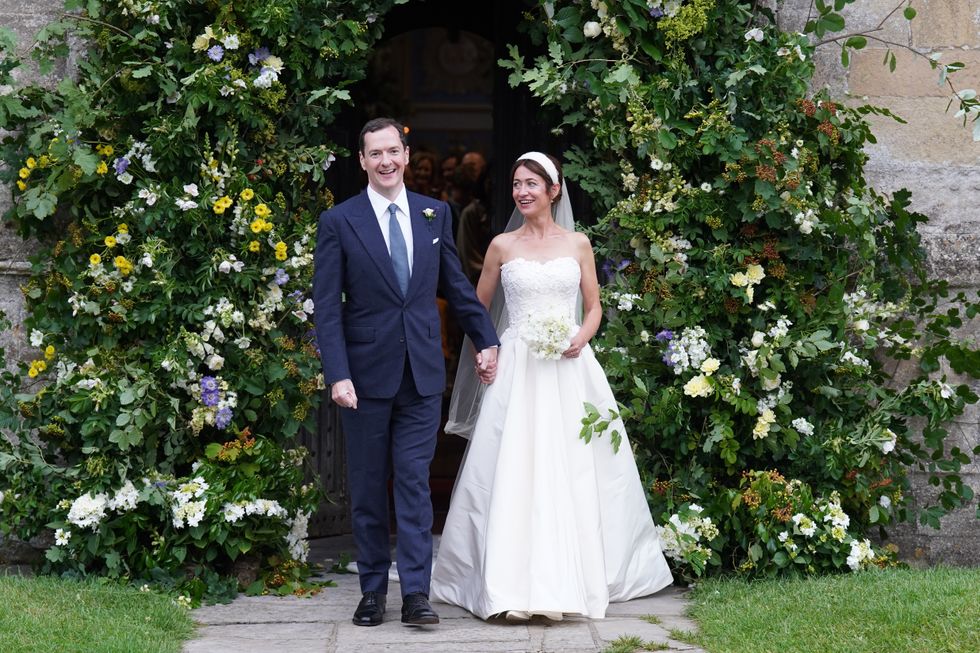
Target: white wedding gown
x=540 y=521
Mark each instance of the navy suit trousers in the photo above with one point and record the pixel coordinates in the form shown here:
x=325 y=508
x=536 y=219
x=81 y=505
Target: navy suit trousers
x=392 y=438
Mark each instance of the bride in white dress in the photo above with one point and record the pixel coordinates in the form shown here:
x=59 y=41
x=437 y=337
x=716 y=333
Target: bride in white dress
x=541 y=522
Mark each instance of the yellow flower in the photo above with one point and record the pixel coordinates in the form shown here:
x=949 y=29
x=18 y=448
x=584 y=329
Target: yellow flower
x=257 y=225
x=21 y=185
x=102 y=168
x=110 y=241
x=710 y=366
x=253 y=246
x=123 y=265
x=49 y=352
x=25 y=173
x=280 y=246
x=262 y=211
x=201 y=42
x=31 y=163
x=44 y=161
x=94 y=260
x=281 y=255
x=266 y=226
x=32 y=372
x=123 y=228
x=221 y=204
x=739 y=279
x=107 y=150
x=755 y=273
x=247 y=194
x=698 y=387
x=40 y=365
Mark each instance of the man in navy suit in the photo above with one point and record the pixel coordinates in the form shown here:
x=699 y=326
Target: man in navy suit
x=380 y=258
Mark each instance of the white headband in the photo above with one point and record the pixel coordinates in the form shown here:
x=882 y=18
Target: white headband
x=544 y=161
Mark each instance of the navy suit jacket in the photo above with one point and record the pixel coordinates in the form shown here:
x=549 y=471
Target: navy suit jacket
x=365 y=327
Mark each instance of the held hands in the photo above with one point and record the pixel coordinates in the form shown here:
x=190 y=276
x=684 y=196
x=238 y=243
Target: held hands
x=486 y=365
x=342 y=393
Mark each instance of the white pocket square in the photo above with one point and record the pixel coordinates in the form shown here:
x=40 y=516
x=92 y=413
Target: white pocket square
x=435 y=240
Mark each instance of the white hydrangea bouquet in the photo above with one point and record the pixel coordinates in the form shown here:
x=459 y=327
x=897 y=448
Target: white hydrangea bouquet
x=547 y=334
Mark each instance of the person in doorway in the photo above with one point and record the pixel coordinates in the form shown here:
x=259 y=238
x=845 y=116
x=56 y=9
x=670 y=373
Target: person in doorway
x=541 y=522
x=380 y=258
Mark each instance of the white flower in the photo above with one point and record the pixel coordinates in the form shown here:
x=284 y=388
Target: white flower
x=87 y=511
x=225 y=267
x=37 y=338
x=299 y=548
x=771 y=384
x=888 y=445
x=591 y=29
x=191 y=512
x=706 y=187
x=147 y=260
x=861 y=553
x=861 y=325
x=754 y=34
x=803 y=426
x=125 y=178
x=644 y=336
x=215 y=362
x=191 y=189
x=656 y=164
x=329 y=161
x=230 y=42
x=758 y=339
x=783 y=536
x=243 y=342
x=125 y=498
x=61 y=537
x=232 y=512
x=806 y=525
x=885 y=501
x=185 y=205
x=546 y=334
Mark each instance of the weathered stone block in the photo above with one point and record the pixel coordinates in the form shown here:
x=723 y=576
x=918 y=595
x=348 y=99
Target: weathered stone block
x=914 y=76
x=954 y=257
x=946 y=194
x=10 y=7
x=930 y=135
x=942 y=23
x=13 y=341
x=860 y=16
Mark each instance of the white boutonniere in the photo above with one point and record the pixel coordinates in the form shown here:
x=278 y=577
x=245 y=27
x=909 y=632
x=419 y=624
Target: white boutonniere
x=429 y=214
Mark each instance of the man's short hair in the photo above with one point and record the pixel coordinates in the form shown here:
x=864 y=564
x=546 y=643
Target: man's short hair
x=377 y=124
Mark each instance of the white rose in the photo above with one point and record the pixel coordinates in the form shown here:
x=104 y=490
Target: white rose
x=592 y=29
x=758 y=339
x=215 y=362
x=754 y=34
x=861 y=325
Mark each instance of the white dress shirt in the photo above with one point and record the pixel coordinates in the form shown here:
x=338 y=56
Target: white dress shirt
x=380 y=204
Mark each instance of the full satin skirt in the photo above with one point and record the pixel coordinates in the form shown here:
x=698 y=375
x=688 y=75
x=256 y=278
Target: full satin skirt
x=540 y=521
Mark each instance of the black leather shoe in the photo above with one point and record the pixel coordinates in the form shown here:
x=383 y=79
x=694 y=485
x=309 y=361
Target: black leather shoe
x=371 y=610
x=416 y=610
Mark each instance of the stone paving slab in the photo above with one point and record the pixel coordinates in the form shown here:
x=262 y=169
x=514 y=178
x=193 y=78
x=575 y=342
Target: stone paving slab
x=322 y=624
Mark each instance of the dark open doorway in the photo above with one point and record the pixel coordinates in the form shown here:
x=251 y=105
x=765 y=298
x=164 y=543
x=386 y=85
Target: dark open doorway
x=436 y=71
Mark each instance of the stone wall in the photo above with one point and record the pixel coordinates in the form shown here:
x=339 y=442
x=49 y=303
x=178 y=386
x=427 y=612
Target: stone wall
x=933 y=155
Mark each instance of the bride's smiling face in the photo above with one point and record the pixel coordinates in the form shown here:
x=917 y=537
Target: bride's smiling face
x=532 y=193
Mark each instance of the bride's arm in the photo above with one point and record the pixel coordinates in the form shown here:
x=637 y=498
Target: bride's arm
x=591 y=308
x=490 y=274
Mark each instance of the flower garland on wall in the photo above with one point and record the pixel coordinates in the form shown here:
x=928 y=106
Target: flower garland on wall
x=754 y=284
x=173 y=185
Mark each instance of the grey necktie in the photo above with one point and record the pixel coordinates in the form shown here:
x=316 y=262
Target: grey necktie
x=399 y=251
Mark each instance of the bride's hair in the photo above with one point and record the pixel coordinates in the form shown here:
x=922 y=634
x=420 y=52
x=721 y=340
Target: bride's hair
x=539 y=170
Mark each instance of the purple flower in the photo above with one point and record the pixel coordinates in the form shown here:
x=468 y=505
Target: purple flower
x=281 y=277
x=657 y=12
x=665 y=335
x=209 y=384
x=296 y=295
x=223 y=417
x=258 y=55
x=210 y=398
x=120 y=165
x=216 y=52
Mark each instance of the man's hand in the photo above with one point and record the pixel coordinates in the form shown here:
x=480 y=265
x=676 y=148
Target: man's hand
x=486 y=364
x=342 y=393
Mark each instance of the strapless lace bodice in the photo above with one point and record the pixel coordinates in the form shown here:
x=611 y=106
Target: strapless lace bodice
x=535 y=287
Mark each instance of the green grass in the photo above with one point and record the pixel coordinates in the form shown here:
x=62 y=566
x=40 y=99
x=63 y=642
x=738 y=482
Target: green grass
x=632 y=644
x=50 y=615
x=894 y=611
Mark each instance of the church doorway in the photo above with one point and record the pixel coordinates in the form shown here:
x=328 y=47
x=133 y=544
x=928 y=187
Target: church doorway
x=436 y=71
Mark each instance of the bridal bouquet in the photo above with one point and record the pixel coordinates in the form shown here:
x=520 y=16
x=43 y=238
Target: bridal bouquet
x=547 y=334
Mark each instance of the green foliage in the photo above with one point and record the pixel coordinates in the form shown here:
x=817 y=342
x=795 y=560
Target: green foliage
x=756 y=286
x=173 y=184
